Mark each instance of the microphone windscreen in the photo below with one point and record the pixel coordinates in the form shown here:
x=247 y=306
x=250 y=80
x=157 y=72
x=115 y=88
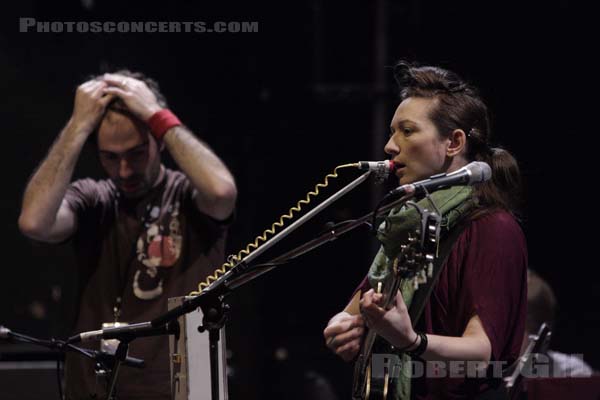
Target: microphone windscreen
x=480 y=172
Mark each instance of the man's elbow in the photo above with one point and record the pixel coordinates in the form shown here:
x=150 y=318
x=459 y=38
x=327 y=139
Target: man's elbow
x=227 y=193
x=226 y=196
x=28 y=226
x=223 y=200
x=37 y=231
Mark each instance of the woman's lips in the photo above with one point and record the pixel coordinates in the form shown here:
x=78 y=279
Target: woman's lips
x=399 y=168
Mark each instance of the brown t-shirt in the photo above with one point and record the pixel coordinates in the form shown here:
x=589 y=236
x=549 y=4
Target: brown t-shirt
x=144 y=252
x=485 y=274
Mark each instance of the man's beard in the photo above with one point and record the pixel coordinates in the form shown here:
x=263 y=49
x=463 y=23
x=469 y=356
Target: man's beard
x=132 y=188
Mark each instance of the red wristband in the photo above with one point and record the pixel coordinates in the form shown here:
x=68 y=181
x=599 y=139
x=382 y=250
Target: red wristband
x=161 y=121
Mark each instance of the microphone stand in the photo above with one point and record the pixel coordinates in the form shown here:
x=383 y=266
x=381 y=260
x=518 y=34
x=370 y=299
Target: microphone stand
x=125 y=337
x=210 y=300
x=55 y=344
x=101 y=357
x=120 y=355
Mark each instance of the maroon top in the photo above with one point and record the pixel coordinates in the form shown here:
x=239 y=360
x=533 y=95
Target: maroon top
x=486 y=275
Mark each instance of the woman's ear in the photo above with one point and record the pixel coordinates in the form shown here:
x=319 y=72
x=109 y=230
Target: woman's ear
x=458 y=143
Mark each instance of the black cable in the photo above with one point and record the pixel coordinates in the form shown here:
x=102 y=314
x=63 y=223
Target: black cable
x=59 y=379
x=271 y=264
x=62 y=347
x=26 y=339
x=54 y=344
x=291 y=258
x=58 y=344
x=380 y=204
x=375 y=211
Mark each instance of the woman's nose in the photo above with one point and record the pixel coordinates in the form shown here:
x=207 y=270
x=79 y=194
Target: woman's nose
x=391 y=148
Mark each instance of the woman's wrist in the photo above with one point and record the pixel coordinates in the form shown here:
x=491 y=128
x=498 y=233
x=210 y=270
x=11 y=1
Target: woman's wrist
x=412 y=345
x=415 y=342
x=421 y=346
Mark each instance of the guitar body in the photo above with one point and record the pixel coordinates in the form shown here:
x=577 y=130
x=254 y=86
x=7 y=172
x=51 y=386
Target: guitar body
x=366 y=384
x=373 y=386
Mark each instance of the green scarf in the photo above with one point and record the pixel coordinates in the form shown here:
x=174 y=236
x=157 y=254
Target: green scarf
x=453 y=203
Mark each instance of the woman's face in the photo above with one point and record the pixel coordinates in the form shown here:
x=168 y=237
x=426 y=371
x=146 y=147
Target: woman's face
x=415 y=144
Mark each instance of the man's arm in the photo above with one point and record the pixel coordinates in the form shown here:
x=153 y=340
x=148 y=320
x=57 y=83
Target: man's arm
x=214 y=184
x=44 y=214
x=216 y=191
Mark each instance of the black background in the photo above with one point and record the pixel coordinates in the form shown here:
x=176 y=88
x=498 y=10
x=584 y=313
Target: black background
x=283 y=107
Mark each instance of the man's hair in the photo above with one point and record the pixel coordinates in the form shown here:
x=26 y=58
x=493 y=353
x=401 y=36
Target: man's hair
x=541 y=302
x=117 y=105
x=458 y=105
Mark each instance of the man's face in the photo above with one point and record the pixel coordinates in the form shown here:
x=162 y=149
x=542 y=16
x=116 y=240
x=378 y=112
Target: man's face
x=128 y=154
x=414 y=143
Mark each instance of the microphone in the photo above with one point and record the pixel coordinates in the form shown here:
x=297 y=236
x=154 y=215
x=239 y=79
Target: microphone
x=134 y=330
x=381 y=169
x=470 y=174
x=4 y=332
x=110 y=359
x=100 y=355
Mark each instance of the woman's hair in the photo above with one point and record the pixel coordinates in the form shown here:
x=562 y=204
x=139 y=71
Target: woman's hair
x=458 y=105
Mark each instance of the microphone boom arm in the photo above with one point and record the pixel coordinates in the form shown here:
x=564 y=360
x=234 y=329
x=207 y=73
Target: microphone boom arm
x=220 y=287
x=313 y=244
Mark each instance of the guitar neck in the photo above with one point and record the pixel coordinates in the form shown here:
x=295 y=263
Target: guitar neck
x=369 y=341
x=367 y=346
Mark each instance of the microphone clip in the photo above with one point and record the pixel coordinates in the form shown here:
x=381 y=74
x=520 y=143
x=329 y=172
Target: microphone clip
x=380 y=169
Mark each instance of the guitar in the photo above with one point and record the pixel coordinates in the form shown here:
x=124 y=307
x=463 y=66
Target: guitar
x=415 y=262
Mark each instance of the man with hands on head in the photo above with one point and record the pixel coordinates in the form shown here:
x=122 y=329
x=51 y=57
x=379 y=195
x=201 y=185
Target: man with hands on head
x=476 y=311
x=143 y=235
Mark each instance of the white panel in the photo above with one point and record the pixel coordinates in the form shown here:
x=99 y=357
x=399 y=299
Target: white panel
x=190 y=360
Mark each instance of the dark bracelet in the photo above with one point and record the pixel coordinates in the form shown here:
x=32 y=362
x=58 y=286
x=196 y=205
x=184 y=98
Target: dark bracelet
x=421 y=347
x=402 y=350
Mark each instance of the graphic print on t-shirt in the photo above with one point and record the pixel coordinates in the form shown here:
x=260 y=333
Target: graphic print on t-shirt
x=158 y=248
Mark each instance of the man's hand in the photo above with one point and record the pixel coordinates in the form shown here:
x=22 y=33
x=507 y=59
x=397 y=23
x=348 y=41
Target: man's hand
x=343 y=335
x=90 y=104
x=393 y=325
x=136 y=95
